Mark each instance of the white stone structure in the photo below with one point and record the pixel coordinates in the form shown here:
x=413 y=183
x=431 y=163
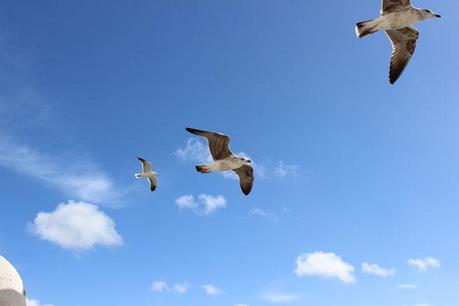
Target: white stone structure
x=12 y=291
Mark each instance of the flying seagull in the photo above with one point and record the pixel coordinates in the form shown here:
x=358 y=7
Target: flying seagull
x=225 y=160
x=397 y=17
x=148 y=173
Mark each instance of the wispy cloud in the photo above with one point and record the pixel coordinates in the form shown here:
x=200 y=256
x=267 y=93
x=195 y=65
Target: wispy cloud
x=406 y=286
x=326 y=265
x=212 y=290
x=32 y=302
x=278 y=298
x=194 y=151
x=162 y=286
x=78 y=179
x=159 y=286
x=197 y=151
x=424 y=264
x=76 y=226
x=181 y=288
x=24 y=111
x=258 y=212
x=278 y=170
x=282 y=169
x=204 y=205
x=376 y=270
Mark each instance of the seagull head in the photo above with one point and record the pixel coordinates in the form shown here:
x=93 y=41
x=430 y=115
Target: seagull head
x=429 y=14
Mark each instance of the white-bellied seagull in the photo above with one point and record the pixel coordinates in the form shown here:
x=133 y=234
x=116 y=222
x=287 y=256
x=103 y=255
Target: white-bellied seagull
x=397 y=17
x=224 y=160
x=148 y=173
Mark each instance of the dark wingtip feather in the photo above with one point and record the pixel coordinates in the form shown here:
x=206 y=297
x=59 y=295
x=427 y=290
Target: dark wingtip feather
x=246 y=191
x=394 y=78
x=196 y=131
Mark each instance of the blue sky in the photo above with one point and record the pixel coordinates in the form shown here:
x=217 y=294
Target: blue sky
x=349 y=169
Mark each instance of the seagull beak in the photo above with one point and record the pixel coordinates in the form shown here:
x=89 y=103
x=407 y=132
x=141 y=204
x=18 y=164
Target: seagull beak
x=249 y=161
x=438 y=16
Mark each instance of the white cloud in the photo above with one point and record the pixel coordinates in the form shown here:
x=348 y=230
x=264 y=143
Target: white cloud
x=35 y=303
x=80 y=179
x=77 y=226
x=181 y=288
x=326 y=265
x=203 y=206
x=159 y=286
x=212 y=290
x=406 y=286
x=194 y=151
x=283 y=169
x=424 y=264
x=377 y=270
x=211 y=203
x=186 y=202
x=258 y=212
x=278 y=298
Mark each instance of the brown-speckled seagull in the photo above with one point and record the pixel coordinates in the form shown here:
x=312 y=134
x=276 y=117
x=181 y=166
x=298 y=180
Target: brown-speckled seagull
x=397 y=17
x=224 y=160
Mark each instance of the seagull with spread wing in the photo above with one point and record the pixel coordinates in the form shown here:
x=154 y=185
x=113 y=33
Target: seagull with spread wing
x=397 y=17
x=224 y=160
x=148 y=173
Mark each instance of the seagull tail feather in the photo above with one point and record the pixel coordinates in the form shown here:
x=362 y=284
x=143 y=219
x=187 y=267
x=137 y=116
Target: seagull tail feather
x=367 y=27
x=202 y=169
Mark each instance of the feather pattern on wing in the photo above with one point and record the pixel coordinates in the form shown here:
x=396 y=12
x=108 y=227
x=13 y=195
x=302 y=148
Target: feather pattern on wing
x=403 y=46
x=390 y=6
x=218 y=143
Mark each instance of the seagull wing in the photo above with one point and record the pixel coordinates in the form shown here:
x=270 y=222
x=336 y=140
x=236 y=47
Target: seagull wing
x=146 y=165
x=153 y=183
x=389 y=6
x=403 y=45
x=218 y=143
x=246 y=178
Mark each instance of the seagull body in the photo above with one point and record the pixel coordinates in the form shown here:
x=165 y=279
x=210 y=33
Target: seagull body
x=148 y=173
x=229 y=163
x=224 y=160
x=397 y=18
